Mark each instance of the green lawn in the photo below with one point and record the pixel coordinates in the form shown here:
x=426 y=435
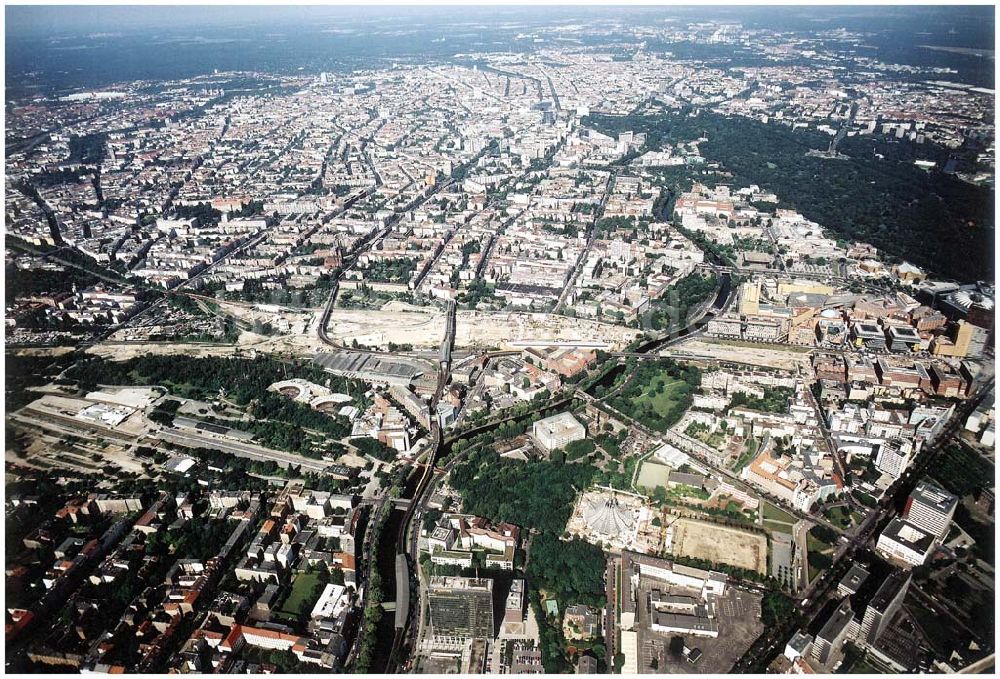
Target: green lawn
x=678 y=494
x=683 y=491
x=657 y=393
x=775 y=513
x=302 y=590
x=842 y=516
x=864 y=498
x=814 y=544
x=673 y=390
x=864 y=667
x=744 y=459
x=778 y=526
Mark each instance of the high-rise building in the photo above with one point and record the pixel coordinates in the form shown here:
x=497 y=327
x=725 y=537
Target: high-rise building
x=514 y=607
x=835 y=631
x=893 y=457
x=461 y=609
x=883 y=606
x=930 y=508
x=851 y=583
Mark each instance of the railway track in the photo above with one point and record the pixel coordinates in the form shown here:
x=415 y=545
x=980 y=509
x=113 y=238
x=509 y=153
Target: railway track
x=402 y=551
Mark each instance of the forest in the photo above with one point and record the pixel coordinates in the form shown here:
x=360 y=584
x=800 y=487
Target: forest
x=76 y=269
x=88 y=149
x=539 y=495
x=962 y=470
x=203 y=212
x=932 y=219
x=397 y=270
x=25 y=371
x=375 y=448
x=243 y=379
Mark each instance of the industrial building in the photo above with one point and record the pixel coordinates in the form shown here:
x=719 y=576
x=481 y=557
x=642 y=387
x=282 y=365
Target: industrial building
x=371 y=367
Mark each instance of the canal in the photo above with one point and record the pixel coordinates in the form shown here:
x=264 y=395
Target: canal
x=720 y=302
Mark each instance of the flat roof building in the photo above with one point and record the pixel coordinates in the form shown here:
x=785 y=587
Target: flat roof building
x=930 y=508
x=868 y=335
x=677 y=623
x=799 y=645
x=905 y=544
x=555 y=432
x=461 y=609
x=902 y=338
x=883 y=606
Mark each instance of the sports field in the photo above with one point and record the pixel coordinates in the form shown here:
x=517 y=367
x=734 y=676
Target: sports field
x=652 y=475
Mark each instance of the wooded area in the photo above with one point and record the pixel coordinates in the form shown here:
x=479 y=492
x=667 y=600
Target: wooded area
x=932 y=219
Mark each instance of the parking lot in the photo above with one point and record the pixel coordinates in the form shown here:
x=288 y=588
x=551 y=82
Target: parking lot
x=738 y=614
x=737 y=605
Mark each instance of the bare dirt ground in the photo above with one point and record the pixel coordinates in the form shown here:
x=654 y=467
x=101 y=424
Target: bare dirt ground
x=396 y=323
x=249 y=313
x=773 y=358
x=720 y=544
x=293 y=345
x=499 y=328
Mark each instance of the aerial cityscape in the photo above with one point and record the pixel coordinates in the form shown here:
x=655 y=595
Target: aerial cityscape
x=509 y=340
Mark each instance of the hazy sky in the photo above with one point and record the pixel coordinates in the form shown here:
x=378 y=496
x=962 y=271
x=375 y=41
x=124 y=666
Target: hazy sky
x=67 y=47
x=46 y=20
x=125 y=17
